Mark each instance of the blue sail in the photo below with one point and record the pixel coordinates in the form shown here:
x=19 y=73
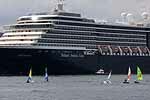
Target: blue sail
x=46 y=75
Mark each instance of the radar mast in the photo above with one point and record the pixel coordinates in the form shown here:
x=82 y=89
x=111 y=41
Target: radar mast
x=60 y=5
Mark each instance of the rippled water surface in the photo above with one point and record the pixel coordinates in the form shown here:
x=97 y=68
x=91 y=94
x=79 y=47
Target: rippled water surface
x=73 y=88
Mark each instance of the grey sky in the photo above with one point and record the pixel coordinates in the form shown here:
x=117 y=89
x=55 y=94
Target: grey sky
x=99 y=9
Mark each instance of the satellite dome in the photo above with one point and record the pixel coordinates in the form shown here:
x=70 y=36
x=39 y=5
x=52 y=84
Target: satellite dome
x=123 y=14
x=129 y=15
x=145 y=15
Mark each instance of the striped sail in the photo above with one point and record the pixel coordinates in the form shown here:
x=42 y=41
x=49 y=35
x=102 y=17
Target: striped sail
x=129 y=74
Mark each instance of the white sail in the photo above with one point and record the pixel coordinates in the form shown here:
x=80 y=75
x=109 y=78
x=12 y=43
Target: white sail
x=107 y=81
x=109 y=76
x=46 y=75
x=129 y=74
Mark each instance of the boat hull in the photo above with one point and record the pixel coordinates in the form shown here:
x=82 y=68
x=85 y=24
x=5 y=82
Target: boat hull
x=18 y=62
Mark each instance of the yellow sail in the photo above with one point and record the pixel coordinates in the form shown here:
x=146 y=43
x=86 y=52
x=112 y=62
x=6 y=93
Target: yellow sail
x=30 y=73
x=30 y=77
x=139 y=74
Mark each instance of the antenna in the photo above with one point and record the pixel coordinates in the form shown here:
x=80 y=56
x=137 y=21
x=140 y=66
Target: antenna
x=60 y=5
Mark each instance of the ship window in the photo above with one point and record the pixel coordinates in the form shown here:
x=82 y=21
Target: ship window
x=22 y=19
x=31 y=26
x=60 y=18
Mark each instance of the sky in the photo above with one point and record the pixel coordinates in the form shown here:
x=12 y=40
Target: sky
x=98 y=9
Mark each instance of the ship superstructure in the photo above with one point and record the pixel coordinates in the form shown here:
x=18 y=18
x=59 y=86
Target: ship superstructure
x=76 y=44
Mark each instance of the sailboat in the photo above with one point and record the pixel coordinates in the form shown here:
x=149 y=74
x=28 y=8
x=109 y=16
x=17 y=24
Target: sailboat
x=107 y=81
x=46 y=75
x=29 y=80
x=139 y=75
x=128 y=77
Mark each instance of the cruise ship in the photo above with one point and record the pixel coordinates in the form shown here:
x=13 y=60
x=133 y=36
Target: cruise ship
x=68 y=43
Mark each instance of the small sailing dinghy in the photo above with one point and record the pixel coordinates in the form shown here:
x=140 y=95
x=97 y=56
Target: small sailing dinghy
x=107 y=81
x=139 y=75
x=126 y=81
x=46 y=75
x=29 y=80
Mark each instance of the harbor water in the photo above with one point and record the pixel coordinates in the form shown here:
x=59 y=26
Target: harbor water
x=79 y=87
